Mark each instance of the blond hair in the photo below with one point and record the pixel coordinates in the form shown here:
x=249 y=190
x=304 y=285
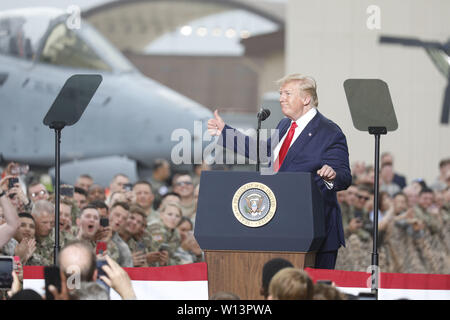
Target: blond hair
x=306 y=84
x=135 y=208
x=171 y=204
x=291 y=284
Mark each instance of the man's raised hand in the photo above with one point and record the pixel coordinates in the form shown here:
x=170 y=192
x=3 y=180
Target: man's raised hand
x=215 y=125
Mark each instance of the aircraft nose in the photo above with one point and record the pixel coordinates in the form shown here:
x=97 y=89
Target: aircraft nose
x=160 y=118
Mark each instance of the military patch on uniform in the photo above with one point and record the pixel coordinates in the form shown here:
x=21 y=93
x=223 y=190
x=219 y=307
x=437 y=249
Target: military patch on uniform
x=254 y=204
x=157 y=237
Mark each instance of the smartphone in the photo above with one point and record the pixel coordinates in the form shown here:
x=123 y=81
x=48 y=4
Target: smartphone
x=327 y=282
x=101 y=272
x=128 y=186
x=6 y=269
x=164 y=247
x=101 y=247
x=67 y=191
x=104 y=222
x=141 y=246
x=52 y=277
x=12 y=182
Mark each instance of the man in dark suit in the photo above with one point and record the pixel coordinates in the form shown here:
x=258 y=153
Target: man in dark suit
x=308 y=142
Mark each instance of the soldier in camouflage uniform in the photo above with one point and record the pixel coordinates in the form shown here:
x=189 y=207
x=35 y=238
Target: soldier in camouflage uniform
x=118 y=216
x=347 y=202
x=138 y=239
x=90 y=231
x=80 y=197
x=44 y=252
x=424 y=213
x=67 y=215
x=189 y=251
x=43 y=213
x=356 y=220
x=164 y=234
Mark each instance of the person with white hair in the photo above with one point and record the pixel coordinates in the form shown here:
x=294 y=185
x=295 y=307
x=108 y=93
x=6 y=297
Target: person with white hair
x=43 y=213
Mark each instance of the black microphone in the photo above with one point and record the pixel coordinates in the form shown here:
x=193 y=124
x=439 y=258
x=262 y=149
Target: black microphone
x=263 y=114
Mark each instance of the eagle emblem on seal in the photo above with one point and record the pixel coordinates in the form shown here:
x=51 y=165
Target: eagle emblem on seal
x=254 y=204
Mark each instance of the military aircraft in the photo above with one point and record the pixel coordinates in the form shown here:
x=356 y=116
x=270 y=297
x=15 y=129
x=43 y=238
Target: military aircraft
x=439 y=54
x=130 y=117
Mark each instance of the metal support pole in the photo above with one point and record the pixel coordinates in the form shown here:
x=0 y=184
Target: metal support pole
x=57 y=247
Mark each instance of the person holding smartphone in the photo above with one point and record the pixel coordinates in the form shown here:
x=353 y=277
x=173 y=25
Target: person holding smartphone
x=117 y=247
x=78 y=260
x=8 y=229
x=189 y=251
x=133 y=233
x=11 y=277
x=165 y=235
x=18 y=198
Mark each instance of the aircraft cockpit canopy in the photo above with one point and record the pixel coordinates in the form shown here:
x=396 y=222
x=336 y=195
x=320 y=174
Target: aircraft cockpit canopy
x=41 y=35
x=65 y=48
x=21 y=31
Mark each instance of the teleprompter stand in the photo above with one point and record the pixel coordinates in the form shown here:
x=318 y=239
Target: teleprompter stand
x=372 y=110
x=66 y=110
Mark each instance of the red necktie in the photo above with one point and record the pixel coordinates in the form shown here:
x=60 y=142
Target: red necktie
x=285 y=147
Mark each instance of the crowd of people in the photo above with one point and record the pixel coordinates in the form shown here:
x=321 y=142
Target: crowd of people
x=136 y=224
x=413 y=221
x=151 y=222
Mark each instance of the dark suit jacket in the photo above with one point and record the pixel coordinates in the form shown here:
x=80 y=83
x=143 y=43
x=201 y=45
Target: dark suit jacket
x=399 y=180
x=321 y=142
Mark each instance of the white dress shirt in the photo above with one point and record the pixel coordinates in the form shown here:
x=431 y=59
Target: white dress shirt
x=302 y=122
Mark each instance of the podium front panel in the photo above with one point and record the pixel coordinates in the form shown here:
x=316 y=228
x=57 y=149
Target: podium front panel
x=297 y=225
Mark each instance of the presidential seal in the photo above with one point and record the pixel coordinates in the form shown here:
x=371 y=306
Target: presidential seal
x=254 y=204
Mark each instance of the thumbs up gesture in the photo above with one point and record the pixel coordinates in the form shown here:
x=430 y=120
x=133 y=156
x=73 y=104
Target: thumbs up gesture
x=215 y=125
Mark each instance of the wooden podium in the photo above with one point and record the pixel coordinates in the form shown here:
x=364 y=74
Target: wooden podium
x=235 y=253
x=240 y=272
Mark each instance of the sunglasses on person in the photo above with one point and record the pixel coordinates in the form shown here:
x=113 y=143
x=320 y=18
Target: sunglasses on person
x=362 y=197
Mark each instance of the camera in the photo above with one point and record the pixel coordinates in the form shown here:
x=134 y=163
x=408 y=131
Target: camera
x=6 y=269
